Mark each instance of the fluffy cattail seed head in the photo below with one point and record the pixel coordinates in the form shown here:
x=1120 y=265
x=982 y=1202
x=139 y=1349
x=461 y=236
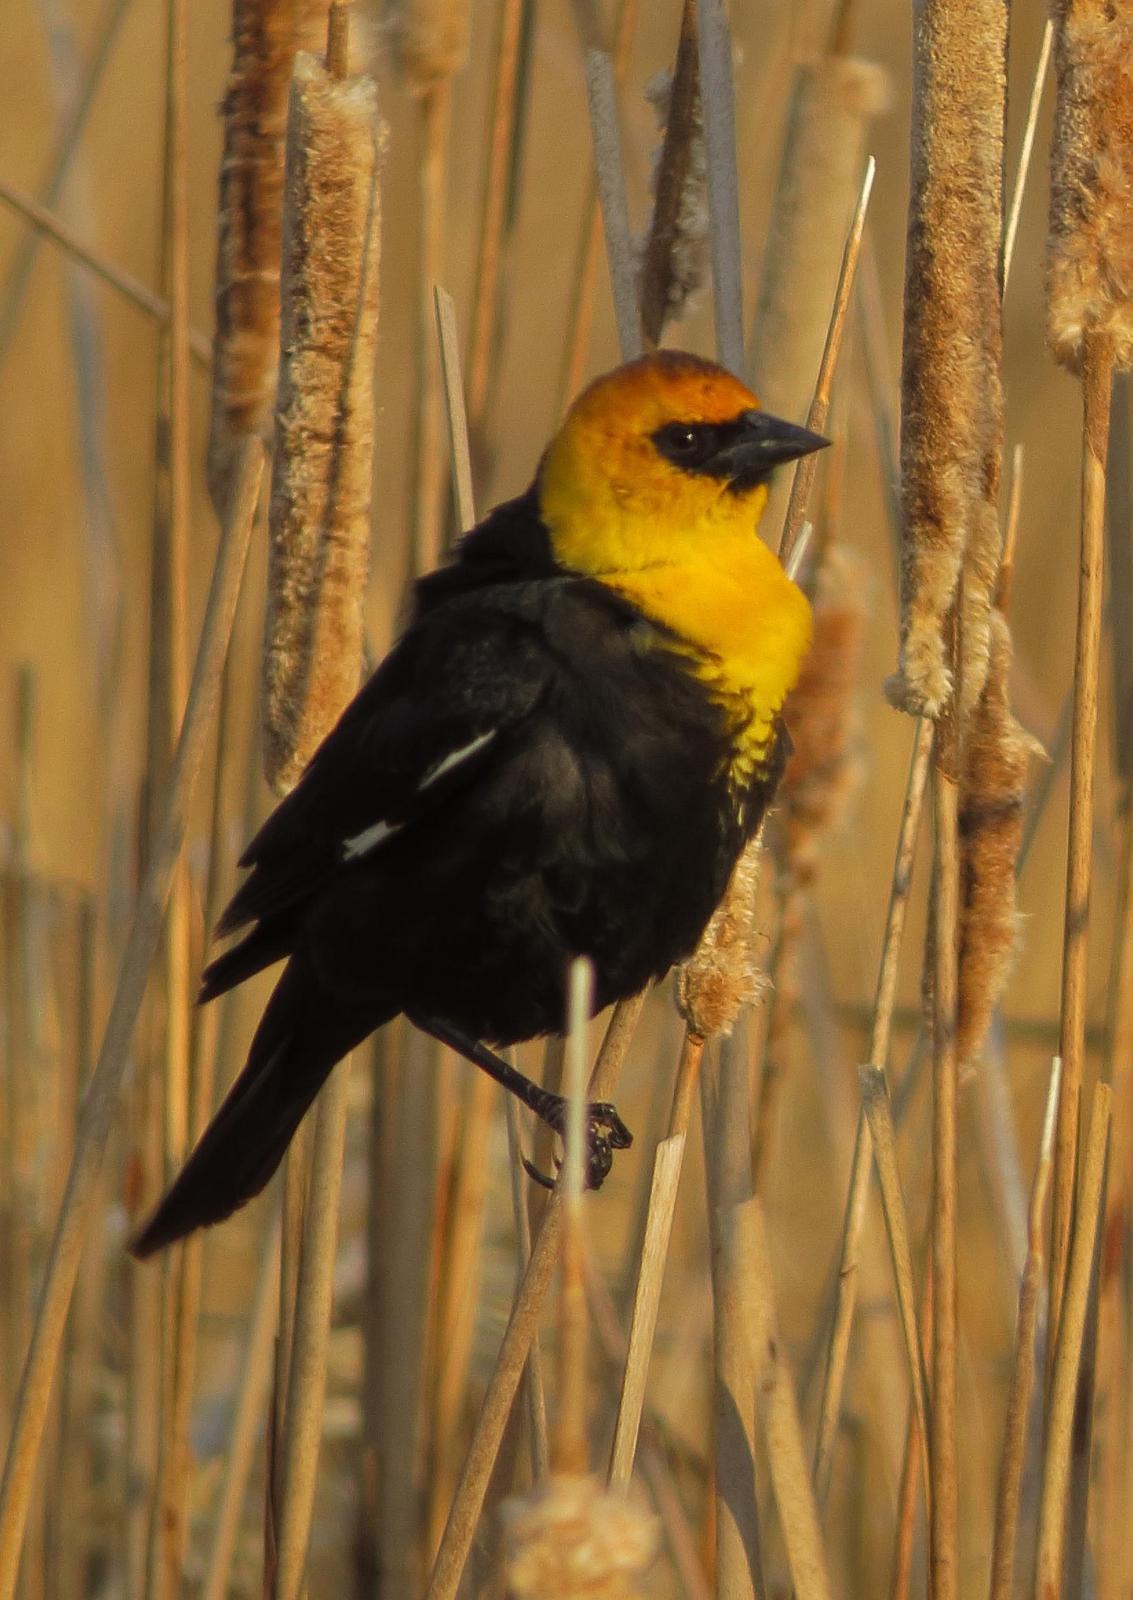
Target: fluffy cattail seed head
x=1090 y=244
x=571 y=1537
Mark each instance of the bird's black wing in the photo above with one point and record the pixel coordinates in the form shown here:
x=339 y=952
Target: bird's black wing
x=437 y=711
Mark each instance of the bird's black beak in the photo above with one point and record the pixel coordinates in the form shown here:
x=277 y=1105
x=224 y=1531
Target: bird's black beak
x=758 y=441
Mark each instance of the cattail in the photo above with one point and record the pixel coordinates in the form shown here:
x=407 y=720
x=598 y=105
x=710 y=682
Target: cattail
x=991 y=829
x=722 y=975
x=571 y=1536
x=952 y=401
x=1089 y=328
x=430 y=39
x=832 y=104
x=320 y=501
x=823 y=716
x=674 y=252
x=1090 y=244
x=265 y=37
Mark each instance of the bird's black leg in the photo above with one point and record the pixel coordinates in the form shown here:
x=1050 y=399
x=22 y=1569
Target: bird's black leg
x=605 y=1133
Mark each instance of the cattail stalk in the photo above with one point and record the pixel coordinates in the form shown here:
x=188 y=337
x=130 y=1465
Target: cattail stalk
x=1060 y=1417
x=320 y=504
x=1090 y=329
x=266 y=34
x=1023 y=1365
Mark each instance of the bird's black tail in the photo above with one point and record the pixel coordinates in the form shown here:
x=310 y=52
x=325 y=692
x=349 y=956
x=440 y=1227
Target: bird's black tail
x=300 y=1037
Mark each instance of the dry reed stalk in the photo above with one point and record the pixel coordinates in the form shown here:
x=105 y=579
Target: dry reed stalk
x=1026 y=149
x=266 y=34
x=124 y=283
x=904 y=1537
x=511 y=1359
x=820 y=404
x=534 y=1395
x=878 y=1053
x=570 y=1449
x=252 y=1388
x=941 y=973
x=744 y=1239
x=307 y=1379
x=951 y=431
x=1115 y=1391
x=456 y=1295
x=505 y=131
x=879 y=1114
x=714 y=47
x=738 y=1556
x=1089 y=329
x=1060 y=1418
x=601 y=94
x=673 y=254
x=408 y=1296
x=581 y=313
x=833 y=101
x=1023 y=1364
x=651 y=1461
x=101 y=1097
x=320 y=503
x=647 y=1299
x=385 y=1087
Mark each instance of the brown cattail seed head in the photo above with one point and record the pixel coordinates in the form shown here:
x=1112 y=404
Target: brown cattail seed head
x=991 y=829
x=320 y=501
x=571 y=1537
x=431 y=40
x=951 y=387
x=265 y=37
x=1090 y=246
x=721 y=976
x=674 y=252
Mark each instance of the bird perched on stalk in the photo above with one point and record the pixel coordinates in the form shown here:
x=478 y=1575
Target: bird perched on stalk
x=563 y=755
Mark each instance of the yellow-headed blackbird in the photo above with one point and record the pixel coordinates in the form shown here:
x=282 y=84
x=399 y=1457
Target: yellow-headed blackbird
x=563 y=755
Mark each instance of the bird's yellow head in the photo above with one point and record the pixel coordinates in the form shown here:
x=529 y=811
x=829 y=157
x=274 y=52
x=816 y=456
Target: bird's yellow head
x=664 y=459
x=654 y=485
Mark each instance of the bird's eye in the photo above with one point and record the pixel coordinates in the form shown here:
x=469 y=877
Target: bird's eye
x=684 y=443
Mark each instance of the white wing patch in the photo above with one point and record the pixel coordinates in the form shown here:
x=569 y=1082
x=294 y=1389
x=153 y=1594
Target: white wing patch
x=368 y=840
x=454 y=758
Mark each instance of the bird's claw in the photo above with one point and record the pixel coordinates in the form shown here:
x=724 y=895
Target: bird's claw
x=605 y=1133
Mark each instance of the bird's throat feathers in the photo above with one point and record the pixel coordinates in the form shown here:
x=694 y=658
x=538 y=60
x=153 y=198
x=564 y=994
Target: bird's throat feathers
x=702 y=572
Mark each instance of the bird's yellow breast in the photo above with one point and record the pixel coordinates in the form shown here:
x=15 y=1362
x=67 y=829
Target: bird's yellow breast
x=746 y=627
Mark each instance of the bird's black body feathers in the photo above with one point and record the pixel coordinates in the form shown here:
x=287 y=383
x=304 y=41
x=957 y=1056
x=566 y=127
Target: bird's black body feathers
x=533 y=773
